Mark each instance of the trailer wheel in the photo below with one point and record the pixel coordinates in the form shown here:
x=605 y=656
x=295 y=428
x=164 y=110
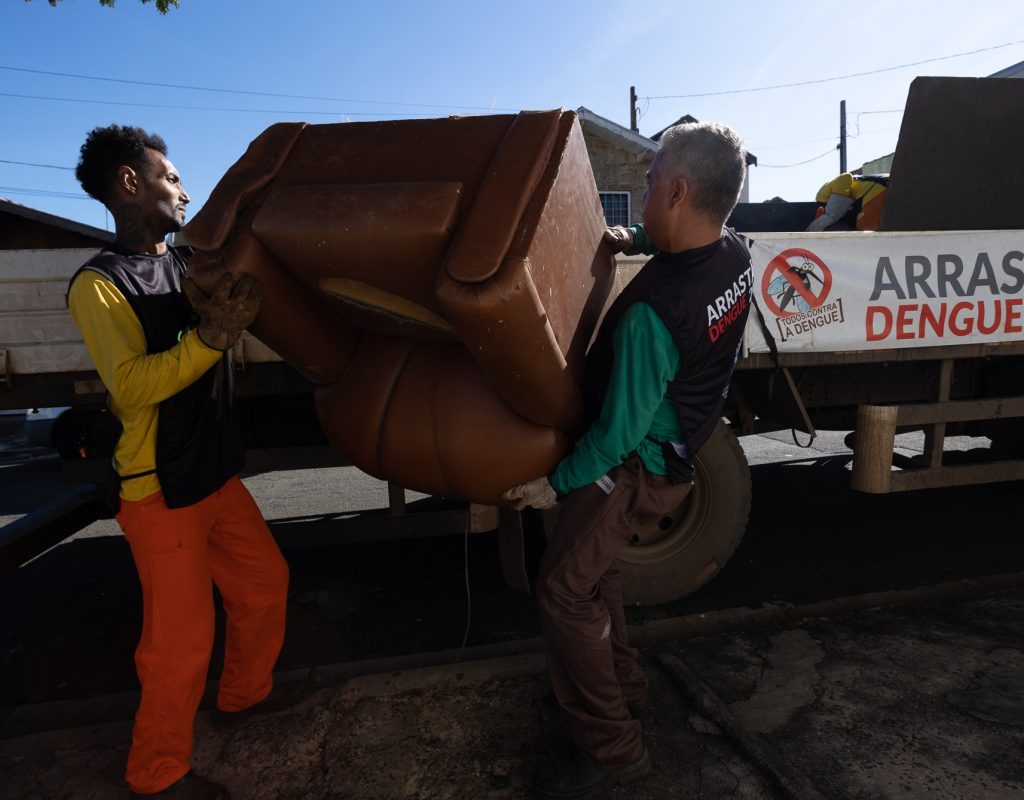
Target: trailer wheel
x=679 y=553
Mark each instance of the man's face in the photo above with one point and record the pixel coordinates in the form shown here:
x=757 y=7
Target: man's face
x=161 y=196
x=656 y=202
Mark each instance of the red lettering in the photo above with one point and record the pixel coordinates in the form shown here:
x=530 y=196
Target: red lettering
x=982 y=328
x=729 y=317
x=1013 y=315
x=955 y=326
x=938 y=324
x=870 y=333
x=904 y=321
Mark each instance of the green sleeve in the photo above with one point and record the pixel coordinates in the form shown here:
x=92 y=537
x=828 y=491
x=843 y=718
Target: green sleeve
x=645 y=360
x=642 y=245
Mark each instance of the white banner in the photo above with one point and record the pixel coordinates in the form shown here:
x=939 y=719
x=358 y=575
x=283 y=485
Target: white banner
x=871 y=291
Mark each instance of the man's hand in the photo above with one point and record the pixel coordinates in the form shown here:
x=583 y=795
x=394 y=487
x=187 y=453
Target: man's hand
x=618 y=239
x=537 y=494
x=229 y=311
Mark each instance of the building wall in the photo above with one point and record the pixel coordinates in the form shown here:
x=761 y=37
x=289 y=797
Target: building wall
x=617 y=170
x=17 y=233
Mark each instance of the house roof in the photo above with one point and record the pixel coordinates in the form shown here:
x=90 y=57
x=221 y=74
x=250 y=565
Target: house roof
x=18 y=210
x=1016 y=71
x=682 y=120
x=624 y=137
x=631 y=140
x=750 y=157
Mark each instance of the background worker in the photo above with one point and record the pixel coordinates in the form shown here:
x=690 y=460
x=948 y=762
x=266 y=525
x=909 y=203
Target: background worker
x=656 y=380
x=161 y=348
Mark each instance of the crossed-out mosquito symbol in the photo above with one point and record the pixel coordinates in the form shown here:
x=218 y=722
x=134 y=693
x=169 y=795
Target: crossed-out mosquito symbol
x=783 y=289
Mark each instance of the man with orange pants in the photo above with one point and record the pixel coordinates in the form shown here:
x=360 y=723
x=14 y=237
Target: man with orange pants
x=161 y=347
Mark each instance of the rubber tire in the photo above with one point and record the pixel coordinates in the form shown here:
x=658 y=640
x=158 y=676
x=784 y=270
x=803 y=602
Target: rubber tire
x=679 y=554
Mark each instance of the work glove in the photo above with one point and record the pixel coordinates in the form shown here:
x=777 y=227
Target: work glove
x=227 y=312
x=536 y=494
x=618 y=239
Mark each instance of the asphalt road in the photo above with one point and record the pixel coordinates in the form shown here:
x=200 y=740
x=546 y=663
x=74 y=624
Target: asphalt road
x=71 y=616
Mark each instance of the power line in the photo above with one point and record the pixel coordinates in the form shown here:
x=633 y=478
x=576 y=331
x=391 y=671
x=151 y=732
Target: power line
x=204 y=108
x=828 y=152
x=246 y=92
x=44 y=193
x=835 y=78
x=759 y=148
x=31 y=164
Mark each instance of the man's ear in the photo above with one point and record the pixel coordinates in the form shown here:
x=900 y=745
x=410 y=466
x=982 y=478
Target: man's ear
x=127 y=180
x=680 y=191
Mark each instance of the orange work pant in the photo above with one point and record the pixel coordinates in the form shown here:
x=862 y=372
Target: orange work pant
x=179 y=554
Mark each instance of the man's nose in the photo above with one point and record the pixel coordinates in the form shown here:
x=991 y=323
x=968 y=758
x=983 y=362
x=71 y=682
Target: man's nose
x=184 y=196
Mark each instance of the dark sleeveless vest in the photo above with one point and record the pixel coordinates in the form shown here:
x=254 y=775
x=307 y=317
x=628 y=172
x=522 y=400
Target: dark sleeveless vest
x=198 y=447
x=703 y=298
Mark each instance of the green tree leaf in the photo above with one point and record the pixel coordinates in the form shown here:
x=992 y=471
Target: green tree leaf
x=161 y=5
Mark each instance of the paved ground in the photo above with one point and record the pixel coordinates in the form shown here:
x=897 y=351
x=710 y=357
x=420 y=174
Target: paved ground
x=872 y=704
x=906 y=702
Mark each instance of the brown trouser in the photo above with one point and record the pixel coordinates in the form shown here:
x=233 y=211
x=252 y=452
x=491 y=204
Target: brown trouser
x=594 y=672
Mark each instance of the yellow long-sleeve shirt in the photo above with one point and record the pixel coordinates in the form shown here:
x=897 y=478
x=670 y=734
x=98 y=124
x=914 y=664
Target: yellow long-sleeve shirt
x=136 y=381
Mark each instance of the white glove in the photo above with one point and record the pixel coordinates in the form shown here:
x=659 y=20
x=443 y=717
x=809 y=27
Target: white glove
x=835 y=207
x=618 y=239
x=536 y=494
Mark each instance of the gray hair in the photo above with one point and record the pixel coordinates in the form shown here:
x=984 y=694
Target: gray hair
x=710 y=156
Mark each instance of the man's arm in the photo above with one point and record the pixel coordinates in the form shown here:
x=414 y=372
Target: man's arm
x=631 y=241
x=117 y=344
x=645 y=361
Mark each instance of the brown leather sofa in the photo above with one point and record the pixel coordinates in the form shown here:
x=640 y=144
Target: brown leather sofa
x=438 y=280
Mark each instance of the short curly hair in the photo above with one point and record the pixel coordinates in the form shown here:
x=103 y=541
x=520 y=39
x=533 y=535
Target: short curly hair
x=108 y=148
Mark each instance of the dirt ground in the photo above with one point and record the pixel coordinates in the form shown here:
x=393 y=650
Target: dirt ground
x=922 y=702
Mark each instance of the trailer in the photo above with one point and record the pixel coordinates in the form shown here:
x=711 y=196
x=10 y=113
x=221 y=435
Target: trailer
x=917 y=327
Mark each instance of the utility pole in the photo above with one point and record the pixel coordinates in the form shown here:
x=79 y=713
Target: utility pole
x=842 y=136
x=632 y=110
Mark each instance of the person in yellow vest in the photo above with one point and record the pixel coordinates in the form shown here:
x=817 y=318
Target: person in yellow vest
x=851 y=203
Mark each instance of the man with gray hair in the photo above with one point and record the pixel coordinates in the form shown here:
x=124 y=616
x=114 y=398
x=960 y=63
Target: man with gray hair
x=655 y=385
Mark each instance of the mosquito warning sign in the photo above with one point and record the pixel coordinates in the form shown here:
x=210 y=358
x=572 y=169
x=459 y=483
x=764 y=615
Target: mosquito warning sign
x=795 y=287
x=867 y=291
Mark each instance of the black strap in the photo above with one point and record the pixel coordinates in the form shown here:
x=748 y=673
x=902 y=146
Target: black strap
x=773 y=348
x=124 y=478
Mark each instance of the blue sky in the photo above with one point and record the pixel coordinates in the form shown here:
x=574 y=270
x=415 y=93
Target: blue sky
x=388 y=60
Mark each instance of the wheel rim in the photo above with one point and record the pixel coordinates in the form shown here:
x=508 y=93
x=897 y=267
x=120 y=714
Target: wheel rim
x=676 y=531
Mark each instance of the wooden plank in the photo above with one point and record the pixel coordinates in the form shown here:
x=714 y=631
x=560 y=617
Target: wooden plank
x=956 y=475
x=935 y=435
x=872 y=449
x=58 y=354
x=835 y=358
x=38 y=327
x=31 y=296
x=41 y=265
x=917 y=414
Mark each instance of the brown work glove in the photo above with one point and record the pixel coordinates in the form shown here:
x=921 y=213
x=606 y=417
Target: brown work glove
x=228 y=311
x=537 y=494
x=618 y=239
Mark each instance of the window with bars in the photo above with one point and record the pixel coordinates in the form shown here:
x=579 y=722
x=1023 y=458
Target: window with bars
x=616 y=207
